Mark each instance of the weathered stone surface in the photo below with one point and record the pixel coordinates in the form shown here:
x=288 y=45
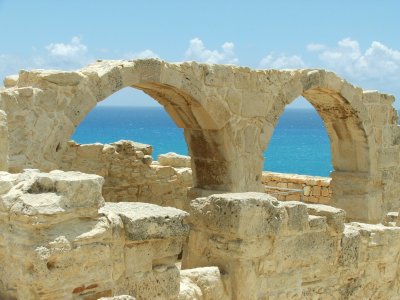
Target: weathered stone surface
x=174 y=160
x=3 y=142
x=234 y=214
x=128 y=176
x=55 y=243
x=319 y=259
x=52 y=197
x=144 y=221
x=10 y=81
x=203 y=284
x=312 y=189
x=51 y=230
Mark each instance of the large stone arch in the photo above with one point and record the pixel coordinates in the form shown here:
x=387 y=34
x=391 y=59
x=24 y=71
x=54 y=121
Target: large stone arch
x=61 y=100
x=228 y=114
x=353 y=127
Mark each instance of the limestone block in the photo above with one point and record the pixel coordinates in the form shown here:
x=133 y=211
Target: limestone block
x=10 y=81
x=174 y=160
x=3 y=142
x=144 y=221
x=316 y=191
x=61 y=78
x=297 y=215
x=317 y=222
x=7 y=181
x=52 y=197
x=307 y=190
x=160 y=283
x=335 y=216
x=202 y=284
x=242 y=215
x=129 y=147
x=350 y=251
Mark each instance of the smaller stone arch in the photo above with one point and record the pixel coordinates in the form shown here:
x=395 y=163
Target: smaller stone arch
x=347 y=116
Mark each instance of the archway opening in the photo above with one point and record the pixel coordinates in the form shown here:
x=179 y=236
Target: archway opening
x=121 y=139
x=130 y=114
x=300 y=143
x=298 y=155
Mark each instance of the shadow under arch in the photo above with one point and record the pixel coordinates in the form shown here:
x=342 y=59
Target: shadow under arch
x=356 y=183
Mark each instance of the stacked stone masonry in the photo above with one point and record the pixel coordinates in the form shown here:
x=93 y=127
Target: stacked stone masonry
x=310 y=189
x=292 y=250
x=59 y=239
x=130 y=173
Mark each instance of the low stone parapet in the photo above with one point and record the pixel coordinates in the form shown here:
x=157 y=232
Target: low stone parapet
x=174 y=160
x=311 y=189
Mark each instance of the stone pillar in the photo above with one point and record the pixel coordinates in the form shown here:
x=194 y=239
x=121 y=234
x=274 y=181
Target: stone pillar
x=359 y=195
x=268 y=249
x=227 y=160
x=231 y=231
x=3 y=142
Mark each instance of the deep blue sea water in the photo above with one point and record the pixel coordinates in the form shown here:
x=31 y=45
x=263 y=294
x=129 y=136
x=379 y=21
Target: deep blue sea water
x=299 y=144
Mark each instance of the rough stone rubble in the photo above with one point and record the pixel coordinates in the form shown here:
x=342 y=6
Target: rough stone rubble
x=102 y=234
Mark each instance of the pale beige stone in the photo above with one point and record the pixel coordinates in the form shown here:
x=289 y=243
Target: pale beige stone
x=174 y=160
x=10 y=81
x=314 y=254
x=203 y=284
x=51 y=228
x=3 y=142
x=59 y=231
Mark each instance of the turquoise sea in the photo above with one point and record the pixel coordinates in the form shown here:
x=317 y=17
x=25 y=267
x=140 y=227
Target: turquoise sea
x=299 y=144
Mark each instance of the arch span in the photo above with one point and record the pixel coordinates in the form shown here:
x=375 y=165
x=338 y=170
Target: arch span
x=228 y=114
x=353 y=132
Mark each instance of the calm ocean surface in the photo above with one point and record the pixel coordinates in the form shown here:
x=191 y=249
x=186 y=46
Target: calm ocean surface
x=299 y=144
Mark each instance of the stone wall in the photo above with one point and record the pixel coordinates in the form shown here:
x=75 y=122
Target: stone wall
x=313 y=189
x=291 y=250
x=59 y=240
x=130 y=174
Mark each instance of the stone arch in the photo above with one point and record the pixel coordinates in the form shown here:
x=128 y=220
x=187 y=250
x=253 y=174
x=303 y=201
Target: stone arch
x=356 y=179
x=64 y=98
x=228 y=114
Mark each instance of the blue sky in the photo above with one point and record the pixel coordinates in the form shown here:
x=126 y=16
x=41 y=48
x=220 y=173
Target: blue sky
x=360 y=40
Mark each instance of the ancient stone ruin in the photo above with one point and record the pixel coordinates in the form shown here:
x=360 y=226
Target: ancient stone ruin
x=106 y=221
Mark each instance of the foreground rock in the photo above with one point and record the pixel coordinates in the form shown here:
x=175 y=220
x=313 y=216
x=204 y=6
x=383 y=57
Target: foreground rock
x=56 y=244
x=291 y=250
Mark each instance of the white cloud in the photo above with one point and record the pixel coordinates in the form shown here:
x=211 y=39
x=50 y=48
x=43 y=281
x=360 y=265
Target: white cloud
x=63 y=55
x=71 y=51
x=143 y=54
x=376 y=67
x=282 y=61
x=197 y=51
x=315 y=47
